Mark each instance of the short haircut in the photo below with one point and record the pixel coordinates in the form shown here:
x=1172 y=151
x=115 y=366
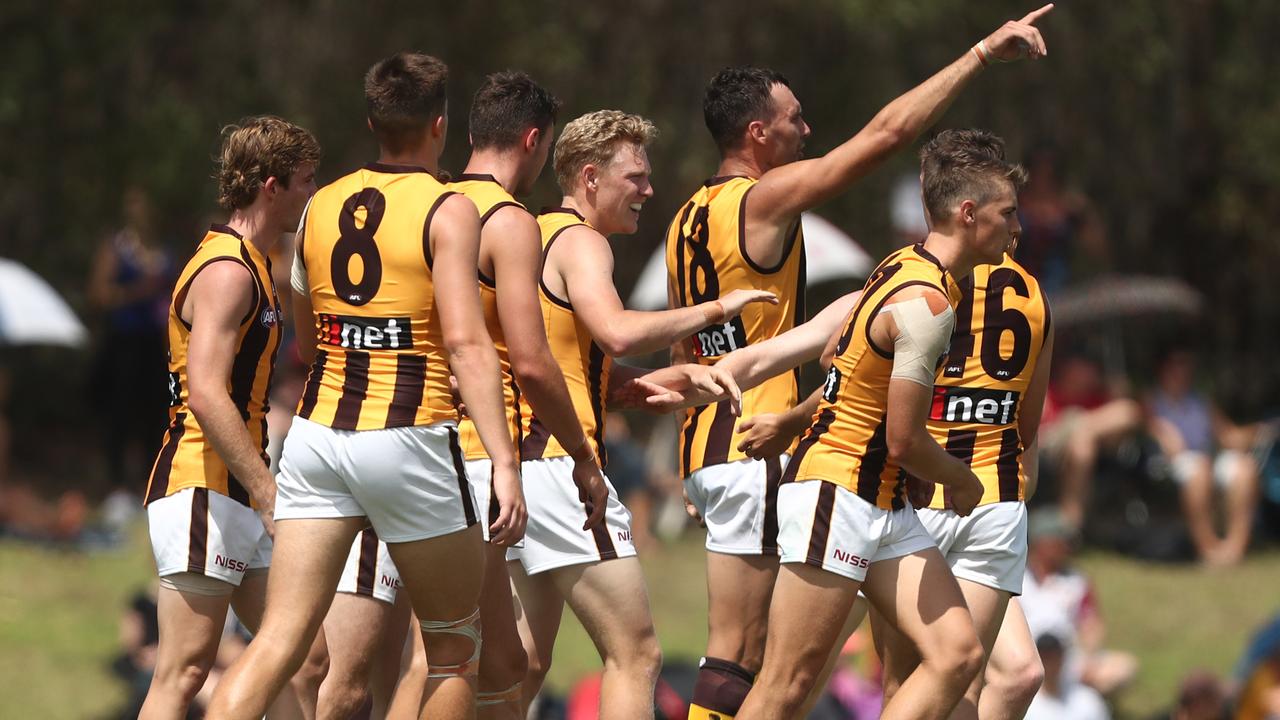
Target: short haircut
x=404 y=94
x=258 y=148
x=736 y=97
x=959 y=165
x=505 y=106
x=593 y=139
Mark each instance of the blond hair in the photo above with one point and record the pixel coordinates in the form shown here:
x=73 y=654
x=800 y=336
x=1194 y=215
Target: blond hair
x=256 y=149
x=593 y=139
x=959 y=165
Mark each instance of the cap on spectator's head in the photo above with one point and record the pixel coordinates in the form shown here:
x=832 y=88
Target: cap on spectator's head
x=1048 y=522
x=1049 y=644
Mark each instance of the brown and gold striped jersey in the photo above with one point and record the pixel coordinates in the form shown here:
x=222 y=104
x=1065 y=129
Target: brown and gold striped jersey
x=1002 y=321
x=585 y=365
x=489 y=197
x=706 y=258
x=187 y=459
x=846 y=445
x=380 y=359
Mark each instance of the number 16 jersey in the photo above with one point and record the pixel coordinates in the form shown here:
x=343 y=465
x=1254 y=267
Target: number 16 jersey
x=366 y=251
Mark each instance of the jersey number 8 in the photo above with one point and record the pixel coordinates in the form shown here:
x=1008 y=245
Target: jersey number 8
x=358 y=241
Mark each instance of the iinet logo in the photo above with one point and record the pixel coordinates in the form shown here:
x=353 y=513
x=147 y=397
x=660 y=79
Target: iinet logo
x=850 y=559
x=974 y=405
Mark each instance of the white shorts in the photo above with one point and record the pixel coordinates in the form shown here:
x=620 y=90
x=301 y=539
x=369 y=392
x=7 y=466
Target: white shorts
x=738 y=501
x=554 y=537
x=1225 y=468
x=201 y=531
x=480 y=475
x=989 y=547
x=824 y=525
x=369 y=571
x=410 y=482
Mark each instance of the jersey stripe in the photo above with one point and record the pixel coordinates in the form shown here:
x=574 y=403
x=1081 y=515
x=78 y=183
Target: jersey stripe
x=1007 y=466
x=772 y=478
x=407 y=397
x=595 y=382
x=164 y=463
x=355 y=383
x=312 y=392
x=719 y=435
x=366 y=572
x=873 y=463
x=960 y=444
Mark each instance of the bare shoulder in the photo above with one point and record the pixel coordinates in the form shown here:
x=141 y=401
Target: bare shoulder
x=458 y=208
x=933 y=297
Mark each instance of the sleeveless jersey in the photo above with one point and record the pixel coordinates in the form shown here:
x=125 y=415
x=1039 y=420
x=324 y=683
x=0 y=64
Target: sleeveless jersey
x=706 y=258
x=380 y=360
x=1001 y=325
x=585 y=365
x=846 y=444
x=187 y=459
x=489 y=197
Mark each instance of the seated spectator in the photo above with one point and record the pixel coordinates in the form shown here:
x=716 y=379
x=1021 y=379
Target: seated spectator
x=628 y=470
x=1200 y=697
x=1063 y=239
x=1185 y=425
x=1060 y=697
x=1081 y=417
x=1059 y=601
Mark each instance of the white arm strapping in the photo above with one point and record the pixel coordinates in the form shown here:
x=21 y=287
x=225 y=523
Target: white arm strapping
x=298 y=271
x=922 y=338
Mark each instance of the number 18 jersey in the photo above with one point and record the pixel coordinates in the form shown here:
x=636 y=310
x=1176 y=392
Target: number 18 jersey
x=365 y=246
x=706 y=258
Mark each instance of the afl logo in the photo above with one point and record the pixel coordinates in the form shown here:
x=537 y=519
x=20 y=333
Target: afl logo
x=269 y=317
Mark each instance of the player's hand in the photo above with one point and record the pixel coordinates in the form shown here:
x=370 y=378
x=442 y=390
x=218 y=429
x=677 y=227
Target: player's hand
x=966 y=495
x=697 y=385
x=691 y=510
x=1018 y=38
x=512 y=514
x=266 y=505
x=736 y=300
x=767 y=436
x=919 y=492
x=456 y=395
x=592 y=491
x=268 y=522
x=637 y=394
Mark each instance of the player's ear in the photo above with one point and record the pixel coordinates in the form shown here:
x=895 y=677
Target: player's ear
x=756 y=131
x=271 y=186
x=532 y=137
x=968 y=212
x=590 y=177
x=438 y=126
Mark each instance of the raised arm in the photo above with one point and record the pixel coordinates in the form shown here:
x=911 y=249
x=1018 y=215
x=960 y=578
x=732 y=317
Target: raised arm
x=582 y=258
x=220 y=297
x=784 y=192
x=516 y=265
x=455 y=241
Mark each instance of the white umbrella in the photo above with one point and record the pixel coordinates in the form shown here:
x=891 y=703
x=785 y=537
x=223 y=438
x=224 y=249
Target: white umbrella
x=32 y=312
x=830 y=254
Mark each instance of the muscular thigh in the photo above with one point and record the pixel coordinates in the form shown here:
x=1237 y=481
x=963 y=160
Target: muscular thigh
x=918 y=595
x=611 y=601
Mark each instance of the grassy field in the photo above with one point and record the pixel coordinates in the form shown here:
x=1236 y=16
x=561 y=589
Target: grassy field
x=59 y=611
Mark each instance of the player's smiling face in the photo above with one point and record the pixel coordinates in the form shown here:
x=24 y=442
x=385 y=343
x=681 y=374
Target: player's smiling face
x=787 y=129
x=622 y=187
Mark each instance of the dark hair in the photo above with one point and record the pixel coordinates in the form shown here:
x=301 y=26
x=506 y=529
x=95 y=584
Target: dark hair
x=959 y=165
x=256 y=149
x=404 y=93
x=735 y=98
x=505 y=106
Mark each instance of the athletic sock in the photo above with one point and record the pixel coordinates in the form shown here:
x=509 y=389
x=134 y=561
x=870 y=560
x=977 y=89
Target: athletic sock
x=720 y=690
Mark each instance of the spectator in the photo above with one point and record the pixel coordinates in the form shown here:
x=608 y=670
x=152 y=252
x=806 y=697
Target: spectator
x=1059 y=601
x=1200 y=697
x=1062 y=234
x=1081 y=417
x=1185 y=425
x=1060 y=697
x=129 y=286
x=628 y=471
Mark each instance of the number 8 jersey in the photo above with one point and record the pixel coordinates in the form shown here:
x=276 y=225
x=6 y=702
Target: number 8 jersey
x=706 y=258
x=364 y=255
x=1002 y=321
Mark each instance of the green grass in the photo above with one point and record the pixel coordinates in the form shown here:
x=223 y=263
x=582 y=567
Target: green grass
x=59 y=612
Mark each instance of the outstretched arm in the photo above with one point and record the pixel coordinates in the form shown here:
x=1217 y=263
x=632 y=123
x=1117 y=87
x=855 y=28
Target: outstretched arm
x=583 y=259
x=784 y=192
